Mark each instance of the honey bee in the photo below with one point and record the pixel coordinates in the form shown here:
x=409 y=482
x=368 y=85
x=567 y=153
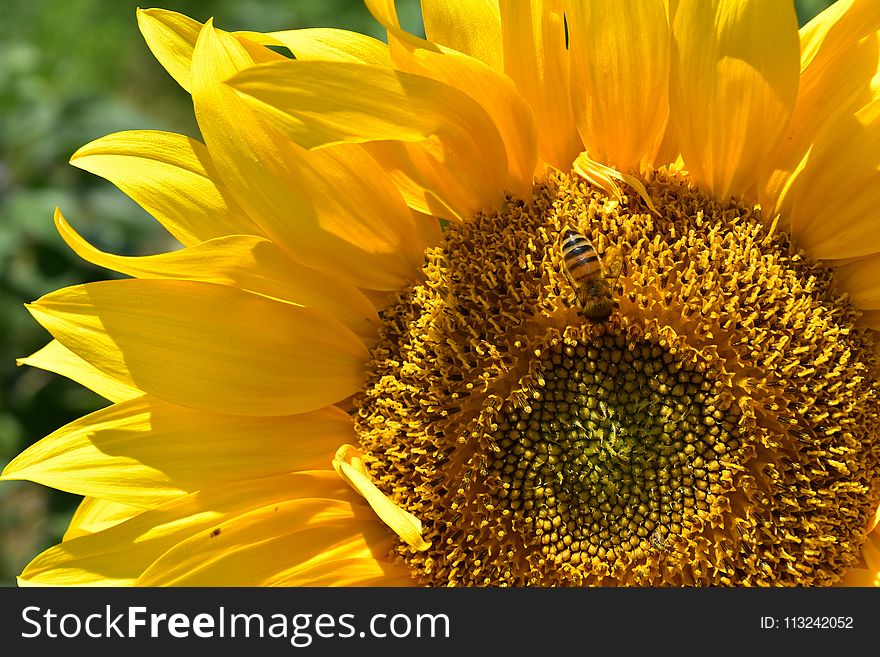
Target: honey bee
x=588 y=276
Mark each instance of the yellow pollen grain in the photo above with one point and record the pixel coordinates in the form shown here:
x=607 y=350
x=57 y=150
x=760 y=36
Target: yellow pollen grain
x=720 y=428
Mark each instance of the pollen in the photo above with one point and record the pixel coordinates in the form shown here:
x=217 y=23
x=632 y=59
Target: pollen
x=720 y=427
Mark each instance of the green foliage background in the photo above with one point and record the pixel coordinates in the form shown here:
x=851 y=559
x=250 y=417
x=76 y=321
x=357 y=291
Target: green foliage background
x=72 y=71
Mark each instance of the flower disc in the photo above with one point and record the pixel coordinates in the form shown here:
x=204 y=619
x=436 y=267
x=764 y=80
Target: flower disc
x=713 y=430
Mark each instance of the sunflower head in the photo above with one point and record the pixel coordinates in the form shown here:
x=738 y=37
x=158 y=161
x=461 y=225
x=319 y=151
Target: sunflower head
x=587 y=292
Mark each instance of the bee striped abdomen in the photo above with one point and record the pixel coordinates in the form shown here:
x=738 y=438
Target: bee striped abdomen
x=587 y=276
x=581 y=260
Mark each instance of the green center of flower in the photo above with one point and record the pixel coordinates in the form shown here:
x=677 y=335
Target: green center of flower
x=719 y=427
x=620 y=448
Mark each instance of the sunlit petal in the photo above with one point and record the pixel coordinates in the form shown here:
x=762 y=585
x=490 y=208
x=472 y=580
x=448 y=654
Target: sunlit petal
x=94 y=515
x=145 y=451
x=620 y=54
x=472 y=27
x=173 y=178
x=495 y=93
x=333 y=209
x=55 y=357
x=249 y=263
x=202 y=350
x=733 y=85
x=536 y=59
x=824 y=181
x=120 y=554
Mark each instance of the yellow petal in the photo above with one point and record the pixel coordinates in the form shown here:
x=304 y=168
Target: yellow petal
x=495 y=93
x=333 y=45
x=181 y=32
x=358 y=561
x=207 y=346
x=94 y=515
x=537 y=60
x=170 y=36
x=472 y=27
x=423 y=179
x=839 y=67
x=870 y=319
x=831 y=145
x=406 y=164
x=173 y=178
x=118 y=555
x=145 y=451
x=666 y=151
x=620 y=54
x=430 y=229
x=607 y=178
x=419 y=168
x=733 y=84
x=246 y=262
x=311 y=542
x=55 y=357
x=874 y=522
x=333 y=210
x=834 y=192
x=350 y=467
x=321 y=103
x=861 y=279
x=841 y=27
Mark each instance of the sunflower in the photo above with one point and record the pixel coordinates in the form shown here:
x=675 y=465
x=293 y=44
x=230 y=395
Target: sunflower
x=378 y=359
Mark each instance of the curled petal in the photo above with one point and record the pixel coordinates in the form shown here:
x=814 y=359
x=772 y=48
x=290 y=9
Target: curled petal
x=350 y=467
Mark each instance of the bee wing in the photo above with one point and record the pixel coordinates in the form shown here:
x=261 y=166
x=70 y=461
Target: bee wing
x=612 y=262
